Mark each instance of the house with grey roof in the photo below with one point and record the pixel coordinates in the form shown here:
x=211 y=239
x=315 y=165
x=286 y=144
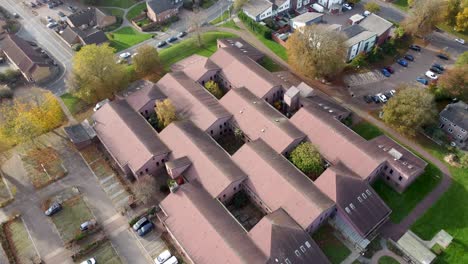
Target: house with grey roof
x=129 y=139
x=258 y=9
x=378 y=25
x=358 y=40
x=453 y=120
x=162 y=10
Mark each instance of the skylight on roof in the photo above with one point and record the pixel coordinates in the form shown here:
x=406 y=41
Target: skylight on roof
x=347 y=210
x=308 y=244
x=352 y=206
x=360 y=199
x=368 y=192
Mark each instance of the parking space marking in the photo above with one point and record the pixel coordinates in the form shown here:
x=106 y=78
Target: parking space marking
x=30 y=237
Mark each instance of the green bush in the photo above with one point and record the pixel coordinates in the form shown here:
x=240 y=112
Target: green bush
x=5 y=92
x=257 y=27
x=77 y=47
x=359 y=61
x=164 y=188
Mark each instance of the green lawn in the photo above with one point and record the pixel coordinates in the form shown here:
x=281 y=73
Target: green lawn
x=271 y=44
x=401 y=4
x=21 y=241
x=119 y=13
x=135 y=11
x=207 y=3
x=270 y=65
x=330 y=245
x=116 y=3
x=104 y=254
x=74 y=104
x=221 y=18
x=230 y=24
x=367 y=130
x=450 y=212
x=126 y=37
x=188 y=47
x=68 y=220
x=387 y=260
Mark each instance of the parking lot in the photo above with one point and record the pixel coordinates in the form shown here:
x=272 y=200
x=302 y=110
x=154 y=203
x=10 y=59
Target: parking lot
x=152 y=243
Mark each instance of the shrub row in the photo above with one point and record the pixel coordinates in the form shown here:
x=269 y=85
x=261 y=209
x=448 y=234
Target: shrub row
x=255 y=26
x=88 y=248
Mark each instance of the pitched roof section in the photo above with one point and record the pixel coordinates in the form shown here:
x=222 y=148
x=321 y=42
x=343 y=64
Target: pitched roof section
x=280 y=237
x=457 y=113
x=22 y=54
x=205 y=230
x=192 y=100
x=140 y=93
x=242 y=71
x=127 y=135
x=159 y=6
x=359 y=203
x=195 y=66
x=335 y=141
x=257 y=119
x=376 y=24
x=356 y=34
x=242 y=47
x=256 y=8
x=279 y=184
x=211 y=165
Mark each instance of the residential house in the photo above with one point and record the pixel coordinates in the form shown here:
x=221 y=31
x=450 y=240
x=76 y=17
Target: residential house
x=32 y=65
x=129 y=139
x=192 y=101
x=331 y=4
x=258 y=10
x=258 y=119
x=162 y=10
x=267 y=171
x=454 y=121
x=306 y=19
x=210 y=165
x=85 y=27
x=379 y=26
x=142 y=96
x=359 y=40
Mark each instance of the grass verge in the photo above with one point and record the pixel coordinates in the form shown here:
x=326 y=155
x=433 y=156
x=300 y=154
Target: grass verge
x=104 y=253
x=116 y=3
x=189 y=47
x=387 y=260
x=118 y=13
x=230 y=24
x=270 y=64
x=221 y=18
x=330 y=245
x=401 y=4
x=135 y=11
x=74 y=104
x=19 y=242
x=126 y=37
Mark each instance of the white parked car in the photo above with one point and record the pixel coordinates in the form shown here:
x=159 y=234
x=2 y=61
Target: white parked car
x=89 y=261
x=100 y=104
x=161 y=258
x=52 y=24
x=348 y=6
x=382 y=98
x=461 y=41
x=432 y=75
x=366 y=13
x=125 y=55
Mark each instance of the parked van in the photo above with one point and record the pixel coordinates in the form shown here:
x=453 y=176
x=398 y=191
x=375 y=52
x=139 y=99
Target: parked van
x=172 y=260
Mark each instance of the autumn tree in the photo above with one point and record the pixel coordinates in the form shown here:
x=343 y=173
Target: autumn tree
x=453 y=8
x=25 y=121
x=372 y=7
x=307 y=158
x=409 y=110
x=422 y=20
x=166 y=112
x=145 y=188
x=316 y=52
x=411 y=3
x=454 y=82
x=214 y=89
x=462 y=20
x=147 y=63
x=462 y=59
x=464 y=161
x=95 y=74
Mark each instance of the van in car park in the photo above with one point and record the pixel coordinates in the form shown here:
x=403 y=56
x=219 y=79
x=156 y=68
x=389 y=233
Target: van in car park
x=172 y=260
x=161 y=258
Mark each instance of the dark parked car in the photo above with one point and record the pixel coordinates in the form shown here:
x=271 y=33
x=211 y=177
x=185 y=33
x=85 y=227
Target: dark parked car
x=171 y=39
x=385 y=72
x=54 y=208
x=61 y=14
x=140 y=223
x=436 y=70
x=443 y=56
x=367 y=99
x=388 y=95
x=161 y=44
x=409 y=57
x=422 y=80
x=438 y=66
x=33 y=4
x=402 y=62
x=182 y=34
x=390 y=69
x=376 y=99
x=145 y=229
x=415 y=47
x=32 y=43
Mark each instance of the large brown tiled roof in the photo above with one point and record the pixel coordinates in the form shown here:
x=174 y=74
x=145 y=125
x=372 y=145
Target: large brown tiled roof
x=195 y=66
x=192 y=100
x=22 y=54
x=258 y=119
x=242 y=47
x=140 y=93
x=280 y=237
x=358 y=202
x=242 y=71
x=280 y=184
x=211 y=165
x=127 y=135
x=335 y=141
x=206 y=230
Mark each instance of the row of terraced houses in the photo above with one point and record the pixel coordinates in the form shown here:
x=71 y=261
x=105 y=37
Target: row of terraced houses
x=275 y=112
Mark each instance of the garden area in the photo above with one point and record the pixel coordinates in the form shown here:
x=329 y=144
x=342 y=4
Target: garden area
x=221 y=18
x=136 y=11
x=68 y=220
x=333 y=248
x=189 y=47
x=16 y=242
x=116 y=3
x=74 y=104
x=126 y=37
x=401 y=204
x=388 y=260
x=103 y=252
x=230 y=142
x=118 y=13
x=43 y=166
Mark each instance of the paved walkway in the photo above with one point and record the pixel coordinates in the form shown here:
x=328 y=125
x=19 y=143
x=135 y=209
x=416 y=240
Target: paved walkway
x=386 y=252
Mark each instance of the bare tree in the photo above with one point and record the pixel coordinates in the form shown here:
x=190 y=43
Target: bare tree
x=195 y=26
x=423 y=17
x=145 y=188
x=316 y=51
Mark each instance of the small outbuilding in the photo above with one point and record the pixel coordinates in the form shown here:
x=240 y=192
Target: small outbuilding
x=306 y=19
x=81 y=135
x=415 y=248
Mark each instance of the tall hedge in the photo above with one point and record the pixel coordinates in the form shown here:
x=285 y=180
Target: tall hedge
x=255 y=26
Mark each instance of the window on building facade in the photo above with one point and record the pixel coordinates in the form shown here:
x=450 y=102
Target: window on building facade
x=450 y=130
